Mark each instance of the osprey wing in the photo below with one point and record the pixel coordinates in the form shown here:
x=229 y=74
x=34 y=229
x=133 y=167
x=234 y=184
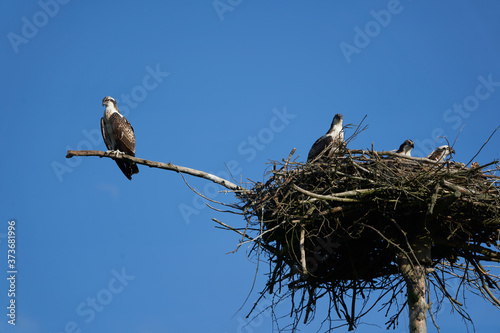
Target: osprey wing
x=123 y=138
x=123 y=134
x=319 y=147
x=436 y=154
x=105 y=137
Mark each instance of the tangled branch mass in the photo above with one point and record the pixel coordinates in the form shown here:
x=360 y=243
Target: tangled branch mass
x=340 y=227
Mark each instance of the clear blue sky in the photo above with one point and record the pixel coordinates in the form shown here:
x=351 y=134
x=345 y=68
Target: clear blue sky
x=206 y=84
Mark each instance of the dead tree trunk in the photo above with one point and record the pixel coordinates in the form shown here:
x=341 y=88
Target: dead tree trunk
x=413 y=266
x=415 y=278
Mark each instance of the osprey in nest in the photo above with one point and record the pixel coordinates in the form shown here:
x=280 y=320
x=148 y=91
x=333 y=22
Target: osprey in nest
x=441 y=153
x=328 y=144
x=406 y=148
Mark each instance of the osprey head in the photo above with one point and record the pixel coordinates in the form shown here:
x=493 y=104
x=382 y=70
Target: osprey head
x=406 y=148
x=447 y=150
x=409 y=143
x=108 y=101
x=336 y=129
x=337 y=119
x=336 y=123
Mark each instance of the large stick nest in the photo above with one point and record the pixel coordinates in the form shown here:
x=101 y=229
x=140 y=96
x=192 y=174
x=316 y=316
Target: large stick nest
x=339 y=225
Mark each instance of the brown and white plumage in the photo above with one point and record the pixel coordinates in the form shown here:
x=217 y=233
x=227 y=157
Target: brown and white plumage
x=441 y=153
x=406 y=148
x=118 y=135
x=329 y=143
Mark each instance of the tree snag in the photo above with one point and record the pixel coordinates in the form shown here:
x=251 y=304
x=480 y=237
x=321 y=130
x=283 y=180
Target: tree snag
x=363 y=227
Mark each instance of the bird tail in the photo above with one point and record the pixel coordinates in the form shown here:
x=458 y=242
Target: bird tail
x=128 y=168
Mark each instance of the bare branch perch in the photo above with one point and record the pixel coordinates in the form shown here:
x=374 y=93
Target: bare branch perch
x=166 y=166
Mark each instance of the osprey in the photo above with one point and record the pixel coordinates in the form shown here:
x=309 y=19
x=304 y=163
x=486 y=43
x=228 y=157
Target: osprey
x=441 y=153
x=405 y=148
x=118 y=135
x=329 y=143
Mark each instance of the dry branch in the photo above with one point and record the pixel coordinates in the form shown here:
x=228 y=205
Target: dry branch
x=152 y=164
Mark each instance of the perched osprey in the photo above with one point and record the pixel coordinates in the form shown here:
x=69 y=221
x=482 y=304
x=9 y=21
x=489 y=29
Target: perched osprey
x=118 y=135
x=329 y=143
x=406 y=148
x=441 y=153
